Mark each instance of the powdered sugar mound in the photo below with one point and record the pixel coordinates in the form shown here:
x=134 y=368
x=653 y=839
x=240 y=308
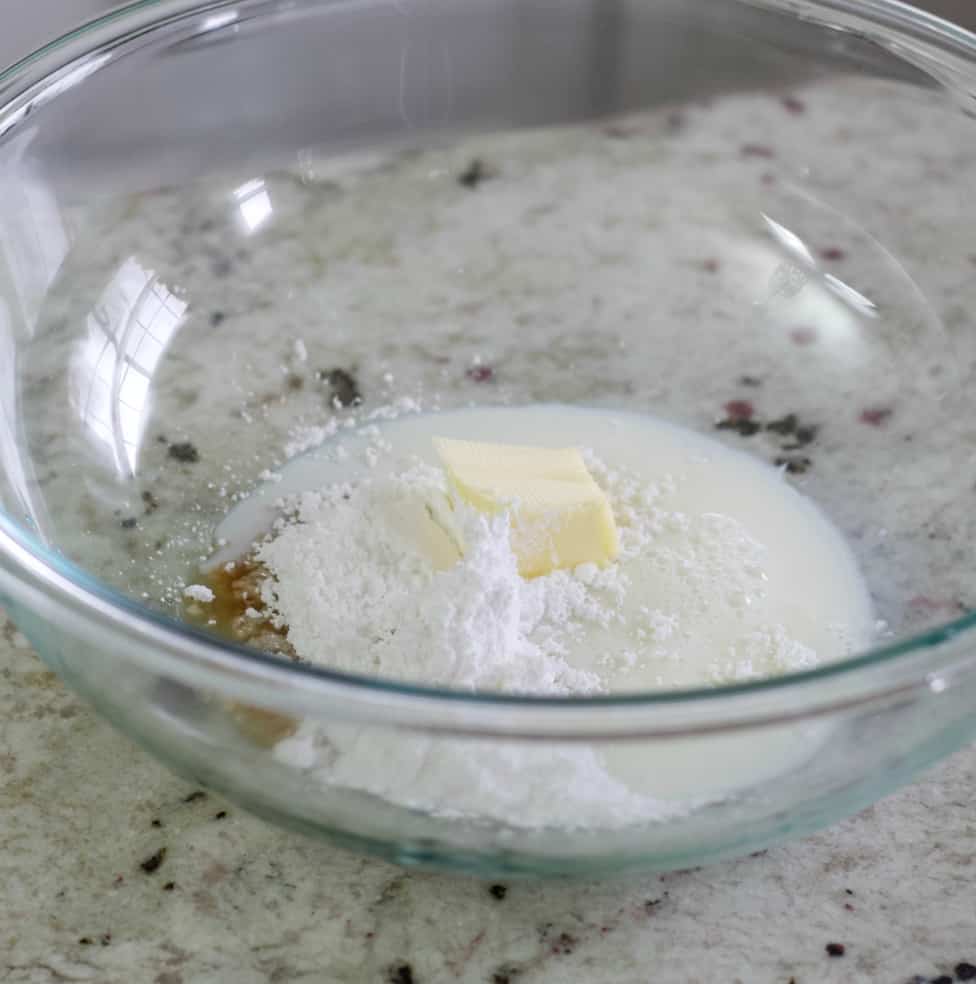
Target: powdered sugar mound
x=353 y=581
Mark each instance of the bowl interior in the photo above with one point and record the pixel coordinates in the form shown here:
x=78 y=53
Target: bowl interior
x=710 y=212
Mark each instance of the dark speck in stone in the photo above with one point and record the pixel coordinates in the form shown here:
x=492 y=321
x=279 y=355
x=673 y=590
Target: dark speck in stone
x=217 y=318
x=848 y=907
x=343 y=387
x=651 y=904
x=295 y=382
x=564 y=944
x=480 y=374
x=169 y=886
x=795 y=464
x=156 y=823
x=150 y=501
x=675 y=121
x=401 y=973
x=875 y=416
x=220 y=815
x=941 y=979
x=965 y=971
x=741 y=425
x=793 y=105
x=498 y=891
x=711 y=265
x=757 y=150
x=802 y=436
x=184 y=451
x=784 y=425
x=221 y=266
x=501 y=977
x=750 y=381
x=832 y=254
x=767 y=179
x=152 y=863
x=835 y=949
x=105 y=939
x=161 y=438
x=848 y=891
x=197 y=794
x=129 y=523
x=476 y=172
x=85 y=940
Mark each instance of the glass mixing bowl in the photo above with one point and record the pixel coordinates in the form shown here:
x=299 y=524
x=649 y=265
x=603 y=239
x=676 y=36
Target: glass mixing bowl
x=221 y=222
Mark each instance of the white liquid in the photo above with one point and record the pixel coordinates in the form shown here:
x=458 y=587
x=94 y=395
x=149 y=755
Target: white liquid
x=801 y=579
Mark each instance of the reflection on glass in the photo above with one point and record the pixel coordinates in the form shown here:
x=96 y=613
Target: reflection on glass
x=214 y=22
x=860 y=303
x=254 y=202
x=789 y=240
x=33 y=241
x=67 y=79
x=73 y=75
x=128 y=330
x=797 y=248
x=13 y=470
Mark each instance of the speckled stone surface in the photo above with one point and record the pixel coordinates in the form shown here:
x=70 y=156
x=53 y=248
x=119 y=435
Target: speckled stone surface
x=236 y=900
x=114 y=871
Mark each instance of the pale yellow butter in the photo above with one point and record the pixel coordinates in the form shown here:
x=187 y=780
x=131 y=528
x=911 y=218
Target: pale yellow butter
x=560 y=516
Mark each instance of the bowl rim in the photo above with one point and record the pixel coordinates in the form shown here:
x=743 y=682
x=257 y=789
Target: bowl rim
x=41 y=581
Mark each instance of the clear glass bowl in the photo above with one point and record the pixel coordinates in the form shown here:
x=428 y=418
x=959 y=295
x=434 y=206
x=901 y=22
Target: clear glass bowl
x=672 y=207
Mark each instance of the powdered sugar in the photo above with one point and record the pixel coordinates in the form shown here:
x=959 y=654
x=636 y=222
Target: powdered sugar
x=198 y=592
x=542 y=786
x=354 y=583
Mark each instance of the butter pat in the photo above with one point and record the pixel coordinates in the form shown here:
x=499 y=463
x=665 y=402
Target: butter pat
x=560 y=516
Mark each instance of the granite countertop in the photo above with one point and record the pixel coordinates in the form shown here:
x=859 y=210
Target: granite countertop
x=114 y=870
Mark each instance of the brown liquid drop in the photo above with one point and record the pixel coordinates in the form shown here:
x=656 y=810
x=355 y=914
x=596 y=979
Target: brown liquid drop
x=237 y=591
